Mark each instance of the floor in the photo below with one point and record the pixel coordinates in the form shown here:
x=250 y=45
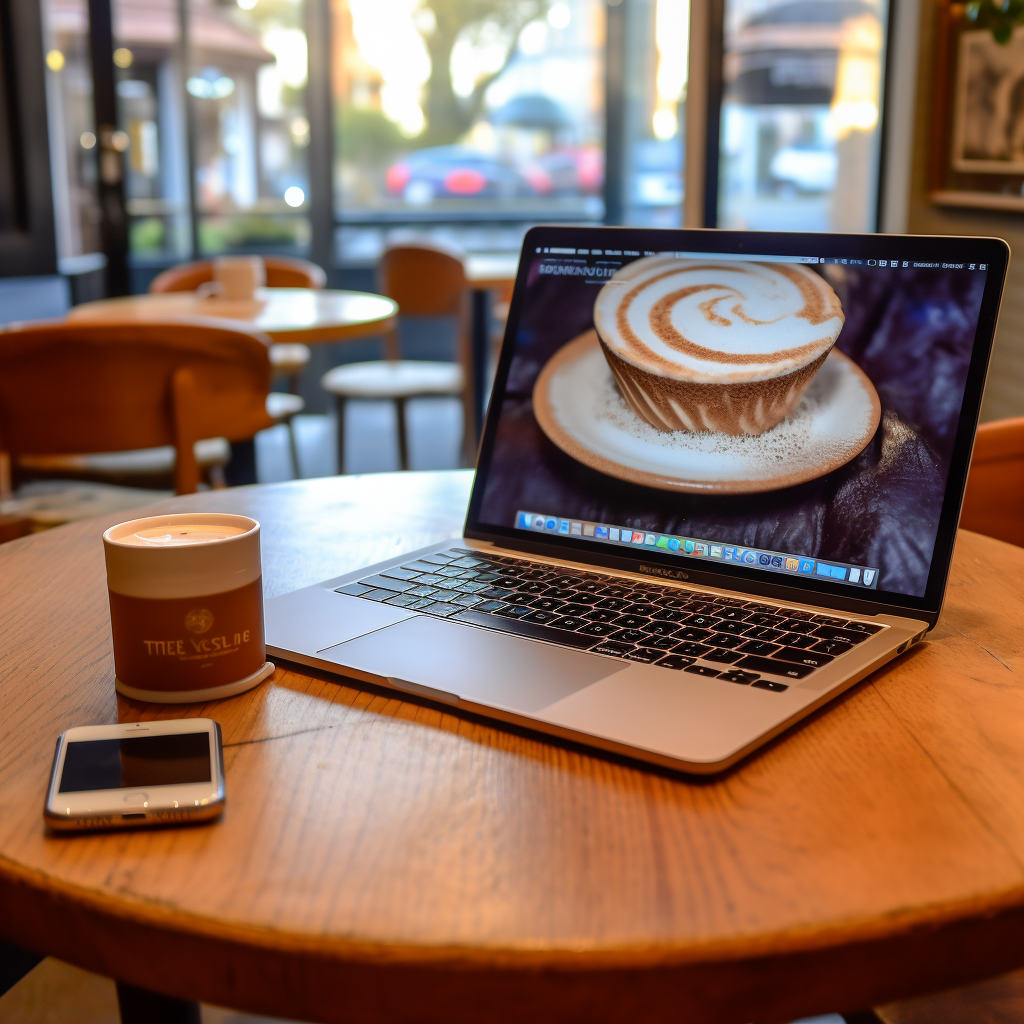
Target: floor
x=371 y=440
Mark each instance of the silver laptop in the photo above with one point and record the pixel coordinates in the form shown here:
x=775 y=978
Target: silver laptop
x=719 y=484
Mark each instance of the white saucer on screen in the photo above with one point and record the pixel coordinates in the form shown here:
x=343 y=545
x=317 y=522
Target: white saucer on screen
x=578 y=406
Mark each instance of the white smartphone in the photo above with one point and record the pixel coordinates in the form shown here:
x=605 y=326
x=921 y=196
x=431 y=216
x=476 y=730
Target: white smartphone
x=137 y=774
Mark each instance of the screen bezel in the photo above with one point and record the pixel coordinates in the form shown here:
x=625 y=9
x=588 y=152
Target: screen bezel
x=931 y=248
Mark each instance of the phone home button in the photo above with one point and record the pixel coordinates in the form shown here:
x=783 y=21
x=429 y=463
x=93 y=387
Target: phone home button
x=136 y=799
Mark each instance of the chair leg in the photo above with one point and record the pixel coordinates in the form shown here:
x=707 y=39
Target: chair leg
x=141 y=1007
x=339 y=408
x=293 y=446
x=403 y=434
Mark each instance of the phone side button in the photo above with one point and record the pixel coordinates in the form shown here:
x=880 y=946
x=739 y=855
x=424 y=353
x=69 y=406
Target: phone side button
x=136 y=799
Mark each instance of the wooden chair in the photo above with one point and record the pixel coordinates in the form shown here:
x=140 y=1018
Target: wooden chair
x=288 y=359
x=994 y=501
x=76 y=387
x=282 y=272
x=425 y=281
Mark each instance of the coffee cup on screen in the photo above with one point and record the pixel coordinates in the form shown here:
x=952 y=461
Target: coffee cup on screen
x=719 y=345
x=239 y=276
x=186 y=606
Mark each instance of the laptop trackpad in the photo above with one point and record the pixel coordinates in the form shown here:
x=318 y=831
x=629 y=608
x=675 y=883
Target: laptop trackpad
x=476 y=664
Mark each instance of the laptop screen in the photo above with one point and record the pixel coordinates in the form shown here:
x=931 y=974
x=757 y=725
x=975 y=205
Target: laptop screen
x=779 y=408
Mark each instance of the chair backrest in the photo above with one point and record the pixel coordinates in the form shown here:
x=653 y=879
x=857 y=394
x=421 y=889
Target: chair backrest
x=282 y=272
x=994 y=501
x=71 y=387
x=424 y=280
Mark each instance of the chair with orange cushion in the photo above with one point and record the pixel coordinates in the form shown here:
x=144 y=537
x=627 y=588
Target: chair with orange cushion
x=426 y=281
x=287 y=358
x=68 y=388
x=994 y=501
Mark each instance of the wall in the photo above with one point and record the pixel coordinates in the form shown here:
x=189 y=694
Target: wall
x=1004 y=395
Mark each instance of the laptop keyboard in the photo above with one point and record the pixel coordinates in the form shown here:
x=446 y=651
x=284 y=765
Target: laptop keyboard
x=750 y=643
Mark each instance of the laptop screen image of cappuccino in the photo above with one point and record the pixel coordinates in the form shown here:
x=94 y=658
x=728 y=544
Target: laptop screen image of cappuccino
x=719 y=484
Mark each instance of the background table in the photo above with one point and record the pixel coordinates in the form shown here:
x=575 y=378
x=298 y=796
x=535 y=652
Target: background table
x=386 y=860
x=307 y=315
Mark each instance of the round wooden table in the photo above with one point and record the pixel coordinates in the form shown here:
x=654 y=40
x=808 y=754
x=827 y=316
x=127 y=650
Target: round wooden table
x=384 y=859
x=307 y=315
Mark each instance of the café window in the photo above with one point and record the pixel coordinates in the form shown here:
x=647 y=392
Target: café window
x=475 y=117
x=800 y=114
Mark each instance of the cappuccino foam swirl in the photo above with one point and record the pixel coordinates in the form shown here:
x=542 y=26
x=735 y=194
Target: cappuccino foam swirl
x=701 y=320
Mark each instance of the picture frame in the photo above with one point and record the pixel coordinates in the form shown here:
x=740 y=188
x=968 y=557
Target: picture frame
x=977 y=157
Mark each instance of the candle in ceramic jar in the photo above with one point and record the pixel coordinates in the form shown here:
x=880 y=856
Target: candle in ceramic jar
x=186 y=606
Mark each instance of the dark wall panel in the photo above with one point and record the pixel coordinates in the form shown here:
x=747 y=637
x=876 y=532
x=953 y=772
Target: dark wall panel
x=27 y=242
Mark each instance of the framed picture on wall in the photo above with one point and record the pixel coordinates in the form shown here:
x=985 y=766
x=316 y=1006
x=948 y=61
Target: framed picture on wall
x=978 y=132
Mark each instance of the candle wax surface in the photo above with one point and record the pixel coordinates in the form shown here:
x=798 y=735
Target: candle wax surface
x=181 y=534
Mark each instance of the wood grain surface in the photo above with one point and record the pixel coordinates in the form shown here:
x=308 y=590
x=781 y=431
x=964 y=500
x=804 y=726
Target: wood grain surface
x=383 y=859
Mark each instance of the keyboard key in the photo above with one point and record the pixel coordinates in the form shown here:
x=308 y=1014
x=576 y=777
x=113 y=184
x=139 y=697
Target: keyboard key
x=514 y=611
x=734 y=601
x=468 y=563
x=419 y=604
x=400 y=574
x=591 y=587
x=443 y=558
x=825 y=620
x=441 y=608
x=628 y=636
x=495 y=593
x=659 y=628
x=575 y=608
x=701 y=670
x=631 y=621
x=770 y=684
x=768 y=609
x=540 y=617
x=546 y=604
x=429 y=579
x=353 y=590
x=692 y=633
x=520 y=598
x=833 y=647
x=568 y=622
x=733 y=614
x=692 y=650
x=646 y=655
x=797 y=626
x=676 y=661
x=377 y=595
x=468 y=600
x=537 y=574
x=701 y=607
x=771 y=621
x=763 y=633
x=421 y=566
x=491 y=606
x=758 y=647
x=560 y=593
x=794 y=613
x=602 y=615
x=402 y=600
x=662 y=643
x=472 y=588
x=612 y=647
x=673 y=601
x=422 y=591
x=597 y=629
x=487 y=577
x=643 y=609
x=703 y=621
x=449 y=573
x=812 y=658
x=865 y=627
x=614 y=604
x=615 y=593
x=775 y=668
x=671 y=615
x=727 y=641
x=723 y=657
x=849 y=636
x=743 y=678
x=797 y=640
x=735 y=628
x=397 y=586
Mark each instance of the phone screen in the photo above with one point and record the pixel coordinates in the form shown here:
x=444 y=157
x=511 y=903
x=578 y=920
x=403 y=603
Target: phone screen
x=136 y=761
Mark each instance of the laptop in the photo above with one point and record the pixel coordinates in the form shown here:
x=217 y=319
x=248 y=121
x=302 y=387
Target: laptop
x=718 y=484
